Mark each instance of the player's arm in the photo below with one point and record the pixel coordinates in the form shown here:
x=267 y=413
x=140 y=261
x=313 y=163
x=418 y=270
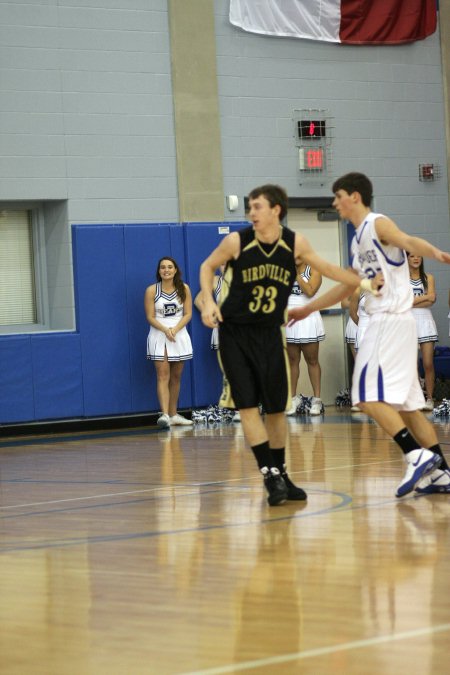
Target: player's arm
x=328 y=299
x=198 y=300
x=389 y=233
x=228 y=249
x=305 y=252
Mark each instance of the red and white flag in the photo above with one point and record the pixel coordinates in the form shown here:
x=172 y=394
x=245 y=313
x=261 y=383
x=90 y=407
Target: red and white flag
x=369 y=22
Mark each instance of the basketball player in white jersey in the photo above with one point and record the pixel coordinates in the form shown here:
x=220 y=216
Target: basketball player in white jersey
x=385 y=380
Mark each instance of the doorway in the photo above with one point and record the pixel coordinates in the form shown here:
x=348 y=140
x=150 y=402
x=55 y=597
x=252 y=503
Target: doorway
x=326 y=238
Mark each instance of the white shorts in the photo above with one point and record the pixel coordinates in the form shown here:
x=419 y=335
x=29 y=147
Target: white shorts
x=350 y=332
x=158 y=344
x=386 y=363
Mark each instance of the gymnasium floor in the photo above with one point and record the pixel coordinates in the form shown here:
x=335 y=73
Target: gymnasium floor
x=154 y=552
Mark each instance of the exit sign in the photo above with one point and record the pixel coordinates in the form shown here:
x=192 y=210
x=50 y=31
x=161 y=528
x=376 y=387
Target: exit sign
x=311 y=159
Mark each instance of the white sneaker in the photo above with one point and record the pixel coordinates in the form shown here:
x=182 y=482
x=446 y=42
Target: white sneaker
x=419 y=463
x=438 y=481
x=163 y=421
x=180 y=421
x=355 y=408
x=294 y=403
x=316 y=406
x=429 y=404
x=237 y=416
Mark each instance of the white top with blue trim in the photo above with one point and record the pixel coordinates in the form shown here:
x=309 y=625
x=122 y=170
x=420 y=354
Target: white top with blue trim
x=370 y=256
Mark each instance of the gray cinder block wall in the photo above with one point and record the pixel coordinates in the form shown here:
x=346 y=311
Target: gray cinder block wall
x=88 y=130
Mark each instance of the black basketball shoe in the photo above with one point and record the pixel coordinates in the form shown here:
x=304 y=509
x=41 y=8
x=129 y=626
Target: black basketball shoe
x=294 y=493
x=275 y=486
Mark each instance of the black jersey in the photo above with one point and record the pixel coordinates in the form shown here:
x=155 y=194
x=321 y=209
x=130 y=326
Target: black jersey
x=256 y=285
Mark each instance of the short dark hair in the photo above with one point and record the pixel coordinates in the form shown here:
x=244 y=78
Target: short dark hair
x=355 y=182
x=275 y=195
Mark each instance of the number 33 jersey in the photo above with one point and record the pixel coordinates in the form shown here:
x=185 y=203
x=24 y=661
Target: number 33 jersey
x=256 y=285
x=369 y=257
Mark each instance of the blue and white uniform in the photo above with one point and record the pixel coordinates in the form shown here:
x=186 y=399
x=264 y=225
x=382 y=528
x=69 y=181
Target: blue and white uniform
x=168 y=310
x=307 y=330
x=386 y=362
x=425 y=324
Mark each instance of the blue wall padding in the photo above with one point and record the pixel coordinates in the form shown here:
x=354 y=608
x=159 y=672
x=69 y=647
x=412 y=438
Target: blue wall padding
x=145 y=244
x=57 y=376
x=16 y=381
x=101 y=295
x=101 y=369
x=200 y=240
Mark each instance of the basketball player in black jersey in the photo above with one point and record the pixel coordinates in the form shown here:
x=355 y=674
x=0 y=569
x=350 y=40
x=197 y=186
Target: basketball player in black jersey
x=259 y=274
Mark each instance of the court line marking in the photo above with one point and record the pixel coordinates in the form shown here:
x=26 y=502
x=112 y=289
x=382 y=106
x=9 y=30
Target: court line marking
x=172 y=486
x=321 y=651
x=8 y=547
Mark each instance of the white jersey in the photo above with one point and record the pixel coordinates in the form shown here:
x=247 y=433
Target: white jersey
x=370 y=256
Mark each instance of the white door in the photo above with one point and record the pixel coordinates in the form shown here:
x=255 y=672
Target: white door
x=325 y=238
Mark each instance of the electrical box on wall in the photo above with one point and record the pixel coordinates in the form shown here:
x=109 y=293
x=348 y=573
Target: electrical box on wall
x=313 y=134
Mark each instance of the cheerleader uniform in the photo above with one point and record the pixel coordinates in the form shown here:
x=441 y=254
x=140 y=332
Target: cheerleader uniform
x=307 y=330
x=363 y=320
x=426 y=326
x=350 y=331
x=215 y=331
x=168 y=311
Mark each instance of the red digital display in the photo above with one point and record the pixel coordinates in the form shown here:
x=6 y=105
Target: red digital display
x=314 y=158
x=311 y=159
x=311 y=129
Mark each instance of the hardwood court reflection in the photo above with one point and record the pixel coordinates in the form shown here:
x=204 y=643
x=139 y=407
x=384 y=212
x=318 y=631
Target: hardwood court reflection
x=156 y=552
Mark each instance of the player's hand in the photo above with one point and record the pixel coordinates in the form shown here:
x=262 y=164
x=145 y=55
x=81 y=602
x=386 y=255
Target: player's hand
x=297 y=314
x=443 y=257
x=373 y=285
x=211 y=315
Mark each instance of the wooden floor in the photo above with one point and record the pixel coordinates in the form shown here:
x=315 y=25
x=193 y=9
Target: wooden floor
x=152 y=551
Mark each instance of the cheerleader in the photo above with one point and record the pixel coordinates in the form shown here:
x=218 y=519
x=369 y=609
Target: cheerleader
x=360 y=318
x=424 y=297
x=303 y=337
x=359 y=315
x=198 y=302
x=168 y=307
x=350 y=329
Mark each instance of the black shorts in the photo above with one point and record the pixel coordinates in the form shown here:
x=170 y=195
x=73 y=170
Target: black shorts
x=254 y=361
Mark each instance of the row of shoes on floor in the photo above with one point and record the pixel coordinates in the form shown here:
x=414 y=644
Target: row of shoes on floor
x=165 y=421
x=315 y=409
